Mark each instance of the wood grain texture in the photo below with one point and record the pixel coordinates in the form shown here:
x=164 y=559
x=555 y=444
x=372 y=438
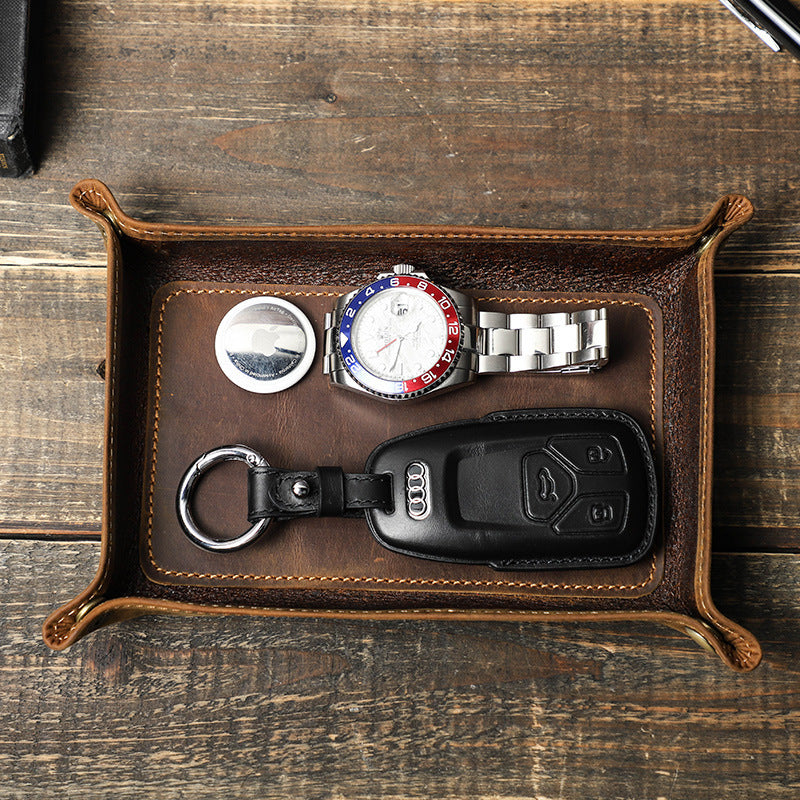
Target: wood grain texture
x=608 y=114
x=554 y=113
x=51 y=406
x=757 y=413
x=205 y=707
x=52 y=336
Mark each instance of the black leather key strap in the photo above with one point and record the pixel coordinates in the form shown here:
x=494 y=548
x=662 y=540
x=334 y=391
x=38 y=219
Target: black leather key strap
x=527 y=489
x=326 y=492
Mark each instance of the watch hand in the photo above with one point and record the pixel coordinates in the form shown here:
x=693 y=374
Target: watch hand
x=387 y=344
x=397 y=355
x=402 y=338
x=410 y=332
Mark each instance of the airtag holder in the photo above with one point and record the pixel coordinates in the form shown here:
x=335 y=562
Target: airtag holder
x=265 y=344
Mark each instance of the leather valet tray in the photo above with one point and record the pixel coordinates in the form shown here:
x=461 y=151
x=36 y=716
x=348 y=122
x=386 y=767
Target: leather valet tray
x=168 y=402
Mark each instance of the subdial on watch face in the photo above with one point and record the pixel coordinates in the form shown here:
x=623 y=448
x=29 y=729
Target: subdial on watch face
x=399 y=333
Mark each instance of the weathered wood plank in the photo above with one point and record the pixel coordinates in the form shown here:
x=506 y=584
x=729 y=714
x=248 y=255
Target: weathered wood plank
x=52 y=336
x=757 y=413
x=608 y=114
x=206 y=707
x=51 y=406
x=553 y=114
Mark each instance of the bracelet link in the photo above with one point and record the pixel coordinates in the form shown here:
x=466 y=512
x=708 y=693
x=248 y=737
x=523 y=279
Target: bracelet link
x=555 y=342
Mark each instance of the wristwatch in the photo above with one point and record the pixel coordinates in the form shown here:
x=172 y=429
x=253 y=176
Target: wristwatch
x=403 y=336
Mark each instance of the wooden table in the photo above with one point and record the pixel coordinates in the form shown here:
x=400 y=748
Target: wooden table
x=546 y=113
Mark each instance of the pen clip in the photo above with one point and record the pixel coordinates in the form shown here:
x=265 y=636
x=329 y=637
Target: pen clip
x=757 y=29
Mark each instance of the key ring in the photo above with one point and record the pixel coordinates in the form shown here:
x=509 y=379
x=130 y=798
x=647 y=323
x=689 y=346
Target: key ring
x=236 y=452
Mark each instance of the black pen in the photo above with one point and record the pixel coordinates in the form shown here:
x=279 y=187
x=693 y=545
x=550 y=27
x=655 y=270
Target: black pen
x=775 y=22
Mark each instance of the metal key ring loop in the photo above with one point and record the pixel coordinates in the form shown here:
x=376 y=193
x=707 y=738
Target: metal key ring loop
x=236 y=452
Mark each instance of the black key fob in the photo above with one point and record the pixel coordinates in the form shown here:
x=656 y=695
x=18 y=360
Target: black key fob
x=518 y=490
x=534 y=489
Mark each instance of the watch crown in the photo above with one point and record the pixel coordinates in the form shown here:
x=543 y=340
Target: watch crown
x=403 y=269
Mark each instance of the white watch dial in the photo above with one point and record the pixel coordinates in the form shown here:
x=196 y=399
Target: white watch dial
x=399 y=333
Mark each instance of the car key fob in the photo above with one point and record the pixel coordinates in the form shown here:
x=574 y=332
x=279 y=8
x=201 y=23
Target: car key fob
x=535 y=489
x=515 y=490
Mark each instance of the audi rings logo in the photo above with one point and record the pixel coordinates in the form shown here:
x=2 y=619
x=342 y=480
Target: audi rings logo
x=417 y=499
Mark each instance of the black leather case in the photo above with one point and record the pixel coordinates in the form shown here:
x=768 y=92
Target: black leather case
x=517 y=490
x=15 y=156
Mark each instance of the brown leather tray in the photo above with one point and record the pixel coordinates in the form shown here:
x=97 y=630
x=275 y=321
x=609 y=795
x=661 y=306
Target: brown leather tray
x=168 y=402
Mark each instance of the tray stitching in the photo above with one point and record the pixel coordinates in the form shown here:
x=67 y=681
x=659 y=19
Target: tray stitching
x=300 y=234
x=742 y=644
x=109 y=539
x=369 y=579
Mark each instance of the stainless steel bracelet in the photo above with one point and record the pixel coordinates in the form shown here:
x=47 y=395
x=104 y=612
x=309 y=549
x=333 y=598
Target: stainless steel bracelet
x=559 y=342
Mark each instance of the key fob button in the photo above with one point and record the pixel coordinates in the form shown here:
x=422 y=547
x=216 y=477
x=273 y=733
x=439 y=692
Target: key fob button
x=595 y=514
x=598 y=455
x=548 y=485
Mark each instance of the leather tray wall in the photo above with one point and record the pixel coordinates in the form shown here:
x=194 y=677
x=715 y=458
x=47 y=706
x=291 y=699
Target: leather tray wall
x=167 y=402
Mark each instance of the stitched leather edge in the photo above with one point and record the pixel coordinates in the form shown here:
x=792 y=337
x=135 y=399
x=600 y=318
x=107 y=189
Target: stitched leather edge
x=86 y=609
x=105 y=205
x=59 y=636
x=737 y=645
x=371 y=579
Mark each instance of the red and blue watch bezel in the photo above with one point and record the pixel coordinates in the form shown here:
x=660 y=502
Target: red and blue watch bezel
x=420 y=384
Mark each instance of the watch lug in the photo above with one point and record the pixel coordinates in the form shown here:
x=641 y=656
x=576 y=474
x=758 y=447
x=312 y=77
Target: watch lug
x=462 y=375
x=466 y=305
